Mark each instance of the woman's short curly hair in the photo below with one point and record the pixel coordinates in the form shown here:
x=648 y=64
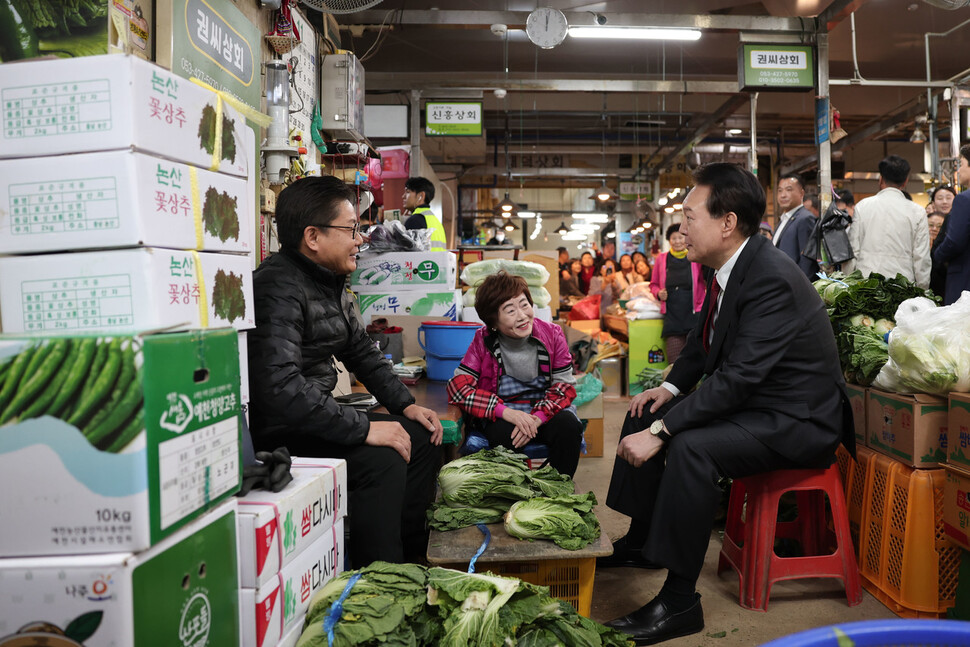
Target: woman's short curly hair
x=496 y=290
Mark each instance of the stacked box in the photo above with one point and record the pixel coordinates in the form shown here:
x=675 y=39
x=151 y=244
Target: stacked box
x=446 y=304
x=398 y=271
x=291 y=543
x=912 y=428
x=181 y=591
x=126 y=440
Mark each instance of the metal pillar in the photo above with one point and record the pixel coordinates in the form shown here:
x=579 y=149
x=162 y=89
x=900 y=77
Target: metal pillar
x=753 y=153
x=824 y=148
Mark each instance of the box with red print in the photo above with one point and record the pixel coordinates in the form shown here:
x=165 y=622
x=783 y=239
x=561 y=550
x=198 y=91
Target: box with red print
x=276 y=527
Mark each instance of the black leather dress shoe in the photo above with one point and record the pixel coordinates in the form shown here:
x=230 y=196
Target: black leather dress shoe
x=625 y=556
x=654 y=623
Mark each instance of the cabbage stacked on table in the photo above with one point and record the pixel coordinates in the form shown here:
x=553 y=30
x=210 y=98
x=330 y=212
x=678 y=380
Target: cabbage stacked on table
x=862 y=311
x=407 y=604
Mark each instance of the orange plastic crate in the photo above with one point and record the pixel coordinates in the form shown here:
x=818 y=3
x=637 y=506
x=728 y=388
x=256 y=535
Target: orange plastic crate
x=905 y=560
x=853 y=474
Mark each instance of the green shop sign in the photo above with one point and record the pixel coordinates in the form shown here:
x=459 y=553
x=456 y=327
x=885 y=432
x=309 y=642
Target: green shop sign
x=212 y=41
x=776 y=67
x=463 y=119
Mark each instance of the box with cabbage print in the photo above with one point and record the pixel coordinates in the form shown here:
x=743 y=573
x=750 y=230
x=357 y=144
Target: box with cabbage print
x=111 y=102
x=125 y=290
x=111 y=444
x=121 y=199
x=181 y=593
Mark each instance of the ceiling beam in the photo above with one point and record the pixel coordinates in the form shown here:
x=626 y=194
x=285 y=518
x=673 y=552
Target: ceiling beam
x=384 y=81
x=881 y=127
x=569 y=172
x=516 y=20
x=705 y=126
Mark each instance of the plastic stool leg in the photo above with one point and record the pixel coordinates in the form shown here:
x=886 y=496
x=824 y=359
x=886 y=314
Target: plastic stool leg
x=840 y=521
x=760 y=551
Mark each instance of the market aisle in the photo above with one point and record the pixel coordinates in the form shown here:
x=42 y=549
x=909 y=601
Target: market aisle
x=794 y=606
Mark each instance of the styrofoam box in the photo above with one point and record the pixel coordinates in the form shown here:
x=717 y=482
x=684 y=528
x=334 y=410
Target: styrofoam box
x=268 y=613
x=428 y=271
x=112 y=102
x=446 y=303
x=468 y=313
x=121 y=199
x=125 y=290
x=243 y=367
x=183 y=591
x=178 y=457
x=293 y=635
x=275 y=527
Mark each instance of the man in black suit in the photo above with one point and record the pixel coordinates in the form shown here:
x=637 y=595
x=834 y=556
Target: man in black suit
x=795 y=226
x=773 y=397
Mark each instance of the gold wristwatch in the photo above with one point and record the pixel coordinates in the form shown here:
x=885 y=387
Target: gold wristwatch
x=658 y=430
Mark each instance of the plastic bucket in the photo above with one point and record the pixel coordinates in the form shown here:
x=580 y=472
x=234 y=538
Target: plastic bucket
x=445 y=344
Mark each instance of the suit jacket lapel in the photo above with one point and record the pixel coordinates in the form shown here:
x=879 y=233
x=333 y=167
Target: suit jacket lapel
x=727 y=316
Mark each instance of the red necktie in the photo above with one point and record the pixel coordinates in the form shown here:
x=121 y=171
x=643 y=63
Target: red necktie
x=714 y=290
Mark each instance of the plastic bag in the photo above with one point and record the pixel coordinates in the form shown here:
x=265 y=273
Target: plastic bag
x=586 y=308
x=830 y=234
x=393 y=237
x=641 y=289
x=587 y=387
x=540 y=296
x=929 y=349
x=533 y=273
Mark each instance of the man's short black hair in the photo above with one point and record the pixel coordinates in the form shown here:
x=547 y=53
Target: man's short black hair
x=733 y=189
x=965 y=152
x=421 y=185
x=894 y=170
x=813 y=199
x=793 y=176
x=672 y=229
x=845 y=196
x=309 y=201
x=561 y=250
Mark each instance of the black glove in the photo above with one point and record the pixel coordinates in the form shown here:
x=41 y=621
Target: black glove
x=271 y=473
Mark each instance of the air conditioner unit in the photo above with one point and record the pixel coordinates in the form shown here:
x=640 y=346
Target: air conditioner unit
x=342 y=96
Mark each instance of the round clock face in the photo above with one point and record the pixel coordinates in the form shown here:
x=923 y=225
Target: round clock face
x=546 y=27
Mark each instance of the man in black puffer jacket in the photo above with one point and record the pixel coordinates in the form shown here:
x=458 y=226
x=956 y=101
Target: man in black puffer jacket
x=306 y=317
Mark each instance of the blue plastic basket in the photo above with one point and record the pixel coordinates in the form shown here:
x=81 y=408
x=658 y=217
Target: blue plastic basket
x=880 y=633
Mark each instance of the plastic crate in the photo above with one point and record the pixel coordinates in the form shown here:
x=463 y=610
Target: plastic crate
x=905 y=559
x=878 y=633
x=853 y=473
x=568 y=579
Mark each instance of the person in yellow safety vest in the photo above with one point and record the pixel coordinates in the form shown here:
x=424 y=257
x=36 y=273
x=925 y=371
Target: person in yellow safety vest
x=418 y=194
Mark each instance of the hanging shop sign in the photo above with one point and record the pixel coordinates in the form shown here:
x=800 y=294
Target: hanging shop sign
x=212 y=41
x=461 y=119
x=636 y=190
x=821 y=120
x=776 y=67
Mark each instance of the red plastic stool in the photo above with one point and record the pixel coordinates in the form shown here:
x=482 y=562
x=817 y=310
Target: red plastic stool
x=755 y=560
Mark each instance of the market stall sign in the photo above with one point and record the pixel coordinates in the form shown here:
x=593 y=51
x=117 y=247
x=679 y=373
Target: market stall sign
x=776 y=67
x=462 y=119
x=213 y=41
x=635 y=190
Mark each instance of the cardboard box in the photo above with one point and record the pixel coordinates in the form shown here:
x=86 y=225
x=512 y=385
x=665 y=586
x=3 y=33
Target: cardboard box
x=267 y=614
x=184 y=591
x=274 y=527
x=121 y=199
x=443 y=304
x=594 y=438
x=858 y=397
x=956 y=506
x=243 y=367
x=99 y=103
x=908 y=427
x=423 y=271
x=126 y=290
x=173 y=454
x=958 y=430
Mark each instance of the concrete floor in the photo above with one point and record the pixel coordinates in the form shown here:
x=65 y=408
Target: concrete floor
x=793 y=606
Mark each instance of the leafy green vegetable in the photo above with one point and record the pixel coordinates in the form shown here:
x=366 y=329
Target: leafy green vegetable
x=59 y=17
x=650 y=377
x=219 y=215
x=568 y=520
x=862 y=352
x=228 y=299
x=477 y=486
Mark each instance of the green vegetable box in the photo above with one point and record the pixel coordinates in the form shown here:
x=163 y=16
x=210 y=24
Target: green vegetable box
x=184 y=591
x=275 y=527
x=113 y=443
x=377 y=273
x=446 y=303
x=112 y=102
x=267 y=614
x=125 y=290
x=911 y=428
x=122 y=199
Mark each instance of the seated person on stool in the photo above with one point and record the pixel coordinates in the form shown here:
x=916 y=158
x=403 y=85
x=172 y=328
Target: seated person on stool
x=773 y=398
x=306 y=317
x=516 y=380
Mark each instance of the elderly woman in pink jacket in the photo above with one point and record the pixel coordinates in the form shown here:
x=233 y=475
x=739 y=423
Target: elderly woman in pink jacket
x=679 y=285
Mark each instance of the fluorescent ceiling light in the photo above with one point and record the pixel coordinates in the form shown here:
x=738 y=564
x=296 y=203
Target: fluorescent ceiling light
x=527 y=214
x=635 y=33
x=611 y=234
x=735 y=131
x=576 y=235
x=668 y=209
x=662 y=201
x=591 y=217
x=584 y=226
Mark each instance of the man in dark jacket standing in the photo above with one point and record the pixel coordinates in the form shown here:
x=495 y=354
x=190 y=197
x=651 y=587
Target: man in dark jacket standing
x=796 y=224
x=306 y=318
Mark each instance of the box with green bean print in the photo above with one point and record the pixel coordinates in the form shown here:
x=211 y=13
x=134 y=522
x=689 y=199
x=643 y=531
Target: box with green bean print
x=112 y=443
